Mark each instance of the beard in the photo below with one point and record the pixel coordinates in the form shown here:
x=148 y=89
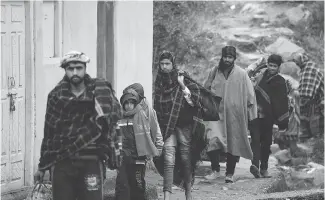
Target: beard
x=76 y=80
x=224 y=65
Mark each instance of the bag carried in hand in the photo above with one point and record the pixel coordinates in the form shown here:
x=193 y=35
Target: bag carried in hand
x=210 y=104
x=41 y=191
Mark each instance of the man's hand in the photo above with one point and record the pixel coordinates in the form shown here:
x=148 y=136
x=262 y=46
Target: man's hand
x=180 y=80
x=282 y=131
x=253 y=79
x=114 y=157
x=39 y=176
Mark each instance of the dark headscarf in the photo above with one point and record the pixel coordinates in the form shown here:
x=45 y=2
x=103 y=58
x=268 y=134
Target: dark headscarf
x=137 y=87
x=129 y=94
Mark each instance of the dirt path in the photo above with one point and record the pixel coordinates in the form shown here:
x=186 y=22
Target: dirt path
x=245 y=184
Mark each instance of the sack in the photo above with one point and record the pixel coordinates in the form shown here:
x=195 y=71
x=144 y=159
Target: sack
x=210 y=106
x=41 y=191
x=209 y=102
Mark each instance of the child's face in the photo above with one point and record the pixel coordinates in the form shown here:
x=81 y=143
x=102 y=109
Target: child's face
x=129 y=105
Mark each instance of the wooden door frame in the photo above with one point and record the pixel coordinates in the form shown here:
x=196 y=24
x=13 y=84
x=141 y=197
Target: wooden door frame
x=34 y=61
x=105 y=41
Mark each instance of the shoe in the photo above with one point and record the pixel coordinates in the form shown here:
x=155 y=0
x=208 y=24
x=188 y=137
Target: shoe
x=255 y=171
x=229 y=178
x=264 y=173
x=213 y=175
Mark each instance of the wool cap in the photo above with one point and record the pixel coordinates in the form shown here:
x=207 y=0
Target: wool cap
x=137 y=87
x=229 y=50
x=74 y=56
x=129 y=94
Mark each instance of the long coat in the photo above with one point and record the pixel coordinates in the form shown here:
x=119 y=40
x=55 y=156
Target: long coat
x=237 y=107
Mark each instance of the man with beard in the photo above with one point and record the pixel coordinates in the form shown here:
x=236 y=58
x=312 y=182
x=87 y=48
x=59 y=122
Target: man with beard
x=237 y=108
x=79 y=131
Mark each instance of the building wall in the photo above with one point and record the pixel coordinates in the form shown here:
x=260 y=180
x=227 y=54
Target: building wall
x=80 y=30
x=133 y=35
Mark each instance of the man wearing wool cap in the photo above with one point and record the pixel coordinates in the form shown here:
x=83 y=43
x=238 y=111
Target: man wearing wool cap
x=238 y=107
x=79 y=132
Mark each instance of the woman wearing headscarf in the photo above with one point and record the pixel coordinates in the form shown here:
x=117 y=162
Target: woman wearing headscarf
x=311 y=94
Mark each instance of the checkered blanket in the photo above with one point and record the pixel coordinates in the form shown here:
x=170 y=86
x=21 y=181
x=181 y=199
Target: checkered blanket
x=311 y=88
x=74 y=123
x=167 y=103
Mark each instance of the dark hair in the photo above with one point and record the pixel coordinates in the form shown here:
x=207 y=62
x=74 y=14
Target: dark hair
x=167 y=55
x=276 y=59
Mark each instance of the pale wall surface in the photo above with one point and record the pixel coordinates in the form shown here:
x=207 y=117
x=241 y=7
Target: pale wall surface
x=80 y=30
x=133 y=27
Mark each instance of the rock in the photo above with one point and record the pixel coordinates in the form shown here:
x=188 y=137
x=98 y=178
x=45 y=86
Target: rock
x=302 y=175
x=284 y=30
x=224 y=188
x=252 y=8
x=283 y=47
x=318 y=175
x=264 y=25
x=315 y=165
x=305 y=148
x=317 y=172
x=297 y=14
x=299 y=161
x=261 y=17
x=250 y=56
x=274 y=148
x=283 y=156
x=243 y=45
x=290 y=69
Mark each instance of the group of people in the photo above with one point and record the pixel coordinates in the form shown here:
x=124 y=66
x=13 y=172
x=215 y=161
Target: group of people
x=83 y=117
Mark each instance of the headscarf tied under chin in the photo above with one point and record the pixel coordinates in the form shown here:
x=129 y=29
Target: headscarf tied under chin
x=301 y=59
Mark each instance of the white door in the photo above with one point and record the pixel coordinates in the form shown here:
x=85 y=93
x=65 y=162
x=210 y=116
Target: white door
x=12 y=95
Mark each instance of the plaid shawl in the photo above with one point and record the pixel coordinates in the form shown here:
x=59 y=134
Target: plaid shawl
x=72 y=124
x=271 y=94
x=311 y=88
x=169 y=98
x=167 y=103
